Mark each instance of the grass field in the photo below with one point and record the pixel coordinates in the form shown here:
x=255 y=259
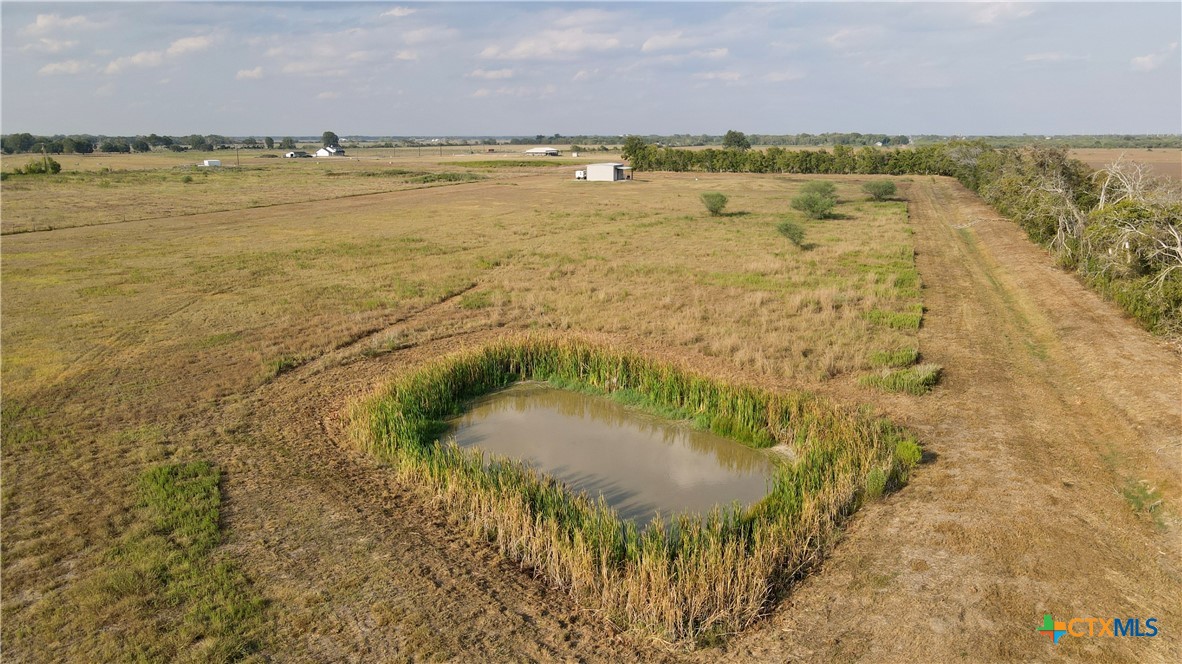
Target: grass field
x=1164 y=162
x=125 y=345
x=169 y=375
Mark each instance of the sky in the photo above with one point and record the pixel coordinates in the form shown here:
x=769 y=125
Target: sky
x=494 y=68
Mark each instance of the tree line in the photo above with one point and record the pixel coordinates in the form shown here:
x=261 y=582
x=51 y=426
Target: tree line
x=1118 y=227
x=87 y=143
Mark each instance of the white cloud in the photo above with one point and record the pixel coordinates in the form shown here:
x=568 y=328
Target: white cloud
x=712 y=53
x=328 y=95
x=585 y=75
x=141 y=59
x=406 y=55
x=998 y=12
x=397 y=12
x=45 y=23
x=67 y=67
x=313 y=68
x=249 y=74
x=156 y=58
x=553 y=44
x=663 y=42
x=783 y=76
x=189 y=45
x=491 y=74
x=718 y=75
x=517 y=91
x=1153 y=60
x=47 y=45
x=850 y=37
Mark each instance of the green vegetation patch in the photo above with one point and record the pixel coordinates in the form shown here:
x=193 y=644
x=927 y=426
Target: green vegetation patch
x=896 y=359
x=166 y=568
x=691 y=580
x=919 y=379
x=906 y=320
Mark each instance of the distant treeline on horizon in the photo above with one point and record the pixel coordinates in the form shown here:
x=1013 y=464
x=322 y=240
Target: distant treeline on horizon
x=87 y=143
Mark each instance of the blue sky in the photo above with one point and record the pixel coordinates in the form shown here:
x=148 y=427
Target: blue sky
x=497 y=68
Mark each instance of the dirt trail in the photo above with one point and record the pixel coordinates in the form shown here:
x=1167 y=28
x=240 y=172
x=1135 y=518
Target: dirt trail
x=1052 y=401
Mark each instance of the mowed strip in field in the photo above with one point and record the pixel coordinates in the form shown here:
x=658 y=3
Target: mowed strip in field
x=132 y=344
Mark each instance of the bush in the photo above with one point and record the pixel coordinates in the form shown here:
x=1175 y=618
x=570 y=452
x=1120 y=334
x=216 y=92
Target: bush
x=44 y=166
x=880 y=190
x=822 y=187
x=714 y=202
x=814 y=204
x=793 y=232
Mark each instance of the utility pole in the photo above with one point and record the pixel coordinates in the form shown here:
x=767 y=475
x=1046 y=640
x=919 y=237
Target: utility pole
x=237 y=157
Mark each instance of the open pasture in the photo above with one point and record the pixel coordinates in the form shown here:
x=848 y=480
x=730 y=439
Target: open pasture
x=130 y=344
x=1164 y=162
x=242 y=337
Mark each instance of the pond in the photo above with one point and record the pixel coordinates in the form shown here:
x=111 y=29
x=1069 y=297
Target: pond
x=641 y=464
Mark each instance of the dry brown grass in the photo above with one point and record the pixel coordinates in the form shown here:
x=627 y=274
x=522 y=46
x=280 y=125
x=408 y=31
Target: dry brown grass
x=1165 y=162
x=124 y=345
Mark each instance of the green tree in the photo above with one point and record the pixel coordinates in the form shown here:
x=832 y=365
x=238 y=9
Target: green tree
x=820 y=187
x=736 y=140
x=269 y=142
x=880 y=190
x=715 y=202
x=114 y=145
x=813 y=204
x=141 y=145
x=288 y=143
x=329 y=139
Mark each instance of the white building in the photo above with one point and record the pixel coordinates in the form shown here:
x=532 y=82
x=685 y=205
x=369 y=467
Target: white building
x=330 y=151
x=542 y=152
x=212 y=163
x=296 y=154
x=608 y=172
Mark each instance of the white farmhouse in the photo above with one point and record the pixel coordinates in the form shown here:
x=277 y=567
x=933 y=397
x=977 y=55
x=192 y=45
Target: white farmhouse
x=542 y=152
x=330 y=151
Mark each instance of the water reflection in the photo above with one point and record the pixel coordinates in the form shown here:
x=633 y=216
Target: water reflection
x=639 y=463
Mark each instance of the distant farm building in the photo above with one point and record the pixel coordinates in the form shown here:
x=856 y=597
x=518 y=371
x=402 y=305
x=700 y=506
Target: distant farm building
x=297 y=154
x=607 y=172
x=330 y=151
x=542 y=152
x=212 y=163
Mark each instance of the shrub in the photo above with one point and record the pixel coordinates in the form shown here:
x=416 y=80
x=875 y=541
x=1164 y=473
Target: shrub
x=714 y=202
x=43 y=166
x=875 y=484
x=880 y=190
x=793 y=232
x=814 y=204
x=821 y=187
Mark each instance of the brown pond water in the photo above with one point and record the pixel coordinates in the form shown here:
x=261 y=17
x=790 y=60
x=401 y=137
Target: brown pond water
x=640 y=463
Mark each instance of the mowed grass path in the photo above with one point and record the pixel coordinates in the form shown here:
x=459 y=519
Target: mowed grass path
x=125 y=346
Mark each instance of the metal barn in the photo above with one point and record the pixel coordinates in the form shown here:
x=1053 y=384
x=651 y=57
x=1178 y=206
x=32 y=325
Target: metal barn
x=609 y=172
